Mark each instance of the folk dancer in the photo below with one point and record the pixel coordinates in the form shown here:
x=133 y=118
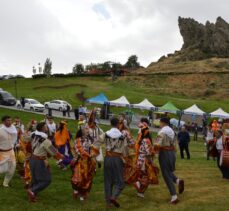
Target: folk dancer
x=147 y=172
x=222 y=143
x=51 y=128
x=113 y=163
x=62 y=139
x=42 y=148
x=95 y=132
x=165 y=143
x=8 y=137
x=84 y=163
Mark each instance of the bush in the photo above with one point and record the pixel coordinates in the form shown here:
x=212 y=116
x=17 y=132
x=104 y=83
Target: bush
x=39 y=76
x=59 y=75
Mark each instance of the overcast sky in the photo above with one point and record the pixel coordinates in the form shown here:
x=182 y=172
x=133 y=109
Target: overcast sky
x=85 y=31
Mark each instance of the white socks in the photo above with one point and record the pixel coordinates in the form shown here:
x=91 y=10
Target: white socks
x=174 y=198
x=177 y=181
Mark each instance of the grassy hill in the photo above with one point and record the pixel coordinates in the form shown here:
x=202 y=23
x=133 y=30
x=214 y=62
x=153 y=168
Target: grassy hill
x=205 y=189
x=157 y=88
x=204 y=79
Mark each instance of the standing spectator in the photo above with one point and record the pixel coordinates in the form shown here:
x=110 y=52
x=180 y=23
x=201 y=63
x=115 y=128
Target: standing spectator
x=22 y=102
x=195 y=130
x=76 y=113
x=183 y=140
x=68 y=110
x=81 y=110
x=209 y=140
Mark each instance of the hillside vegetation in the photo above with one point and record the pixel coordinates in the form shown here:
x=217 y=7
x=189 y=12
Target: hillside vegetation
x=158 y=89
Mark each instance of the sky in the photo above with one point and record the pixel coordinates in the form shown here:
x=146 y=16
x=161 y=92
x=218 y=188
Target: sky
x=85 y=31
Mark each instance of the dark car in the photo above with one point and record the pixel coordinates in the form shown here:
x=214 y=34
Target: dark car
x=7 y=99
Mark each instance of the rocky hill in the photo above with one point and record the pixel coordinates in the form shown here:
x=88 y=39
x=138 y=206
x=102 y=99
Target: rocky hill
x=200 y=69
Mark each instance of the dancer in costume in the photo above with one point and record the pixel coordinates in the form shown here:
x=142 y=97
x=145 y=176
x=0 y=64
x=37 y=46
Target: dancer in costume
x=8 y=137
x=51 y=127
x=62 y=139
x=84 y=164
x=146 y=171
x=113 y=163
x=95 y=132
x=222 y=144
x=165 y=143
x=42 y=148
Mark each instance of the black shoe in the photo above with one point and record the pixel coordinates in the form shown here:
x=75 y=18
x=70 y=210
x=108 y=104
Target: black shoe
x=115 y=203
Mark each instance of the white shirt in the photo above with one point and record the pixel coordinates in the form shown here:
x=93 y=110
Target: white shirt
x=219 y=144
x=8 y=137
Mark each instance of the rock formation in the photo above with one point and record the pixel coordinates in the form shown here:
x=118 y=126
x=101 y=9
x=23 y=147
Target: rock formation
x=209 y=40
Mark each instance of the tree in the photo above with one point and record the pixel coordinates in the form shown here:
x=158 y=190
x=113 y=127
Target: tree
x=47 y=67
x=132 y=62
x=78 y=69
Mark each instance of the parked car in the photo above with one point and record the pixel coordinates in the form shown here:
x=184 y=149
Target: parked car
x=57 y=105
x=32 y=105
x=7 y=99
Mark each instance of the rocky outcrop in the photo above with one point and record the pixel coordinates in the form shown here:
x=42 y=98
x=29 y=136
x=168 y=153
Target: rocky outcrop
x=209 y=40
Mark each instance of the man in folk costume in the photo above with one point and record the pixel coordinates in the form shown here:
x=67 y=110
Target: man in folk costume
x=42 y=148
x=113 y=163
x=8 y=137
x=62 y=139
x=165 y=143
x=84 y=163
x=147 y=172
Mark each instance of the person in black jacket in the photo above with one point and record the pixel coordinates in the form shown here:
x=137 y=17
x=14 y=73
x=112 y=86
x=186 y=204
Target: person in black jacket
x=183 y=140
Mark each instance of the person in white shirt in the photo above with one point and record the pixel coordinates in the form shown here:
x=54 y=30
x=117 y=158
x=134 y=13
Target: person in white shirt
x=8 y=137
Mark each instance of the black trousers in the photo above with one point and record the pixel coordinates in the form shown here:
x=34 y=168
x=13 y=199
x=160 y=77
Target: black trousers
x=41 y=177
x=113 y=177
x=184 y=147
x=224 y=170
x=167 y=161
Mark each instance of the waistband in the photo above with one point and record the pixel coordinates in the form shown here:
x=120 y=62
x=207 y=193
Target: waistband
x=170 y=148
x=34 y=157
x=113 y=154
x=5 y=150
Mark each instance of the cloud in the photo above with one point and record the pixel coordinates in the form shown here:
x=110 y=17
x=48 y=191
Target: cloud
x=73 y=31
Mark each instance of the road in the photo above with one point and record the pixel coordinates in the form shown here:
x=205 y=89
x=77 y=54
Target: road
x=59 y=114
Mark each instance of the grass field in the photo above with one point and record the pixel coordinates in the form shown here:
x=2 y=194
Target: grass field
x=205 y=189
x=66 y=88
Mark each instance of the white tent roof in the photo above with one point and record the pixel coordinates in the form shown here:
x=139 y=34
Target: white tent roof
x=194 y=110
x=122 y=101
x=220 y=113
x=145 y=104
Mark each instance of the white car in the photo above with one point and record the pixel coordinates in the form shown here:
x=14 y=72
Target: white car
x=32 y=105
x=60 y=105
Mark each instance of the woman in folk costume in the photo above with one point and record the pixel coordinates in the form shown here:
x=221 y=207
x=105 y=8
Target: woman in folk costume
x=222 y=145
x=8 y=137
x=19 y=152
x=95 y=131
x=147 y=172
x=84 y=163
x=62 y=139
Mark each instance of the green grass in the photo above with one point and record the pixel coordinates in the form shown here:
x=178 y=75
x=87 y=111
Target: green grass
x=205 y=189
x=66 y=89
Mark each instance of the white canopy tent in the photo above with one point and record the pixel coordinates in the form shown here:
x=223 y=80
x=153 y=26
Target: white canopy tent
x=194 y=109
x=145 y=104
x=122 y=102
x=220 y=113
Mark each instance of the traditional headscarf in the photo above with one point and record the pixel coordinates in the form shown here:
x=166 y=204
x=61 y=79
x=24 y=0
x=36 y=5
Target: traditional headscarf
x=62 y=135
